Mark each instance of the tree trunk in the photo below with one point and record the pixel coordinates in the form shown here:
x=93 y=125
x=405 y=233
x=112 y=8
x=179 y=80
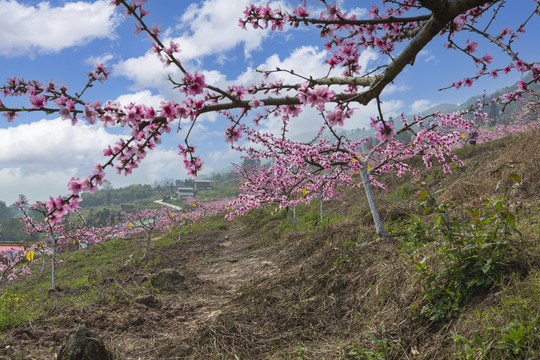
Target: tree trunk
x=292 y=218
x=42 y=264
x=321 y=206
x=379 y=226
x=147 y=244
x=53 y=264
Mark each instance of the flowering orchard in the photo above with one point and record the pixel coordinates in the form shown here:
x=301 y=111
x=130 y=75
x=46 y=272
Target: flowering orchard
x=397 y=29
x=65 y=232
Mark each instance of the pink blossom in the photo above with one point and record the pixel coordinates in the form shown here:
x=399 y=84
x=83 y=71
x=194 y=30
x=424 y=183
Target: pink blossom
x=301 y=12
x=168 y=110
x=38 y=101
x=316 y=97
x=255 y=103
x=232 y=135
x=173 y=48
x=75 y=186
x=504 y=32
x=90 y=114
x=61 y=101
x=520 y=66
x=384 y=131
x=194 y=84
x=10 y=116
x=471 y=47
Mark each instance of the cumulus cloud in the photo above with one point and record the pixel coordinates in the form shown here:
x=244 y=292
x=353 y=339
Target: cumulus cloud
x=159 y=163
x=35 y=186
x=96 y=60
x=206 y=29
x=211 y=28
x=39 y=158
x=427 y=55
x=143 y=97
x=420 y=105
x=145 y=71
x=52 y=144
x=26 y=29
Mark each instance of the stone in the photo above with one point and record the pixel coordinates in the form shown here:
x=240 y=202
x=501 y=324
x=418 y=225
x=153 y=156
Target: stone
x=82 y=344
x=167 y=277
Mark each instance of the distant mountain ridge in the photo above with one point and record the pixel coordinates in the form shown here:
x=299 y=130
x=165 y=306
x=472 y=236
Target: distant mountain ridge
x=449 y=108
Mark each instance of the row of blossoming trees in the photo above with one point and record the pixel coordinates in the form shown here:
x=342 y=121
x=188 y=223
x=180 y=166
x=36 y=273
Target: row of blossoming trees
x=72 y=232
x=397 y=29
x=296 y=172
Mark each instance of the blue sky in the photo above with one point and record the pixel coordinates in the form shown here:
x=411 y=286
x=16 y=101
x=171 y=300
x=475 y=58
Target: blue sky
x=61 y=40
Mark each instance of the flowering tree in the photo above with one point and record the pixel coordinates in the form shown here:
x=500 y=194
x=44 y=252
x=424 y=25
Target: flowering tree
x=57 y=229
x=96 y=235
x=398 y=29
x=298 y=173
x=14 y=264
x=146 y=220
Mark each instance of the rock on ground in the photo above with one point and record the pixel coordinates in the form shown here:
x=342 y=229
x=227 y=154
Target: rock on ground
x=168 y=277
x=82 y=344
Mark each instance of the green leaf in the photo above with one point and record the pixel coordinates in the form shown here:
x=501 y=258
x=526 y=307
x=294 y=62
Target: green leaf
x=515 y=177
x=478 y=340
x=468 y=351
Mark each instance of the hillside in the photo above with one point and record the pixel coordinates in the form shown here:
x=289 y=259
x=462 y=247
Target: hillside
x=261 y=288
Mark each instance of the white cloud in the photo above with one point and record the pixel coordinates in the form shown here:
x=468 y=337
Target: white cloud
x=144 y=97
x=427 y=56
x=27 y=29
x=39 y=158
x=305 y=61
x=207 y=29
x=393 y=88
x=359 y=12
x=212 y=28
x=96 y=60
x=158 y=164
x=52 y=144
x=154 y=74
x=420 y=105
x=223 y=157
x=36 y=186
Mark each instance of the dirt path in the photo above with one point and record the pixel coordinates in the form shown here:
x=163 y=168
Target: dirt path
x=141 y=321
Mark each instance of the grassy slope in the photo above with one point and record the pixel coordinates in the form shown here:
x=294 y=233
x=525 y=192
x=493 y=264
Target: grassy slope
x=259 y=288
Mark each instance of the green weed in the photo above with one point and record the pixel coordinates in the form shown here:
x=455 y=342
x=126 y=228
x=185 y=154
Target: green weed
x=11 y=307
x=473 y=254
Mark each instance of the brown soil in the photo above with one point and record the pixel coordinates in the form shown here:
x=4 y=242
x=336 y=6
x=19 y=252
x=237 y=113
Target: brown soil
x=217 y=266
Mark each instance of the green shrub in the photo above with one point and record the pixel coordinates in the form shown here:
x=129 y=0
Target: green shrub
x=473 y=254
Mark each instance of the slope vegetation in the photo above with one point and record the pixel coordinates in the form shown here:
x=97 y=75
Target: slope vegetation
x=458 y=279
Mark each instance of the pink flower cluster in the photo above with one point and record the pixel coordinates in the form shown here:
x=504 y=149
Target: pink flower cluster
x=389 y=26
